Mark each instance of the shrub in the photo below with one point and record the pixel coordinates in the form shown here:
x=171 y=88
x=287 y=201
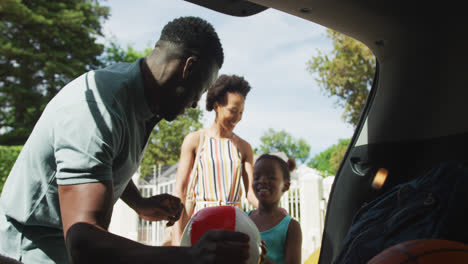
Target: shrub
x=8 y=155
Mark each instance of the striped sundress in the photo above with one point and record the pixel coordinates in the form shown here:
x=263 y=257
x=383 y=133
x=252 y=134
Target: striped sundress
x=219 y=173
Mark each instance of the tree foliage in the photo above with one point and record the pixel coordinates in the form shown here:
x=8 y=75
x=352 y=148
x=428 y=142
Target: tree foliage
x=281 y=141
x=346 y=74
x=113 y=53
x=44 y=44
x=328 y=161
x=166 y=139
x=8 y=155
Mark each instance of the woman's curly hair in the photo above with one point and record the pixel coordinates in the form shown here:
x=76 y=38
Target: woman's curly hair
x=223 y=85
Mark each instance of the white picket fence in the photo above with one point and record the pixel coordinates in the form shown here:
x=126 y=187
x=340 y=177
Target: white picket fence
x=306 y=201
x=151 y=233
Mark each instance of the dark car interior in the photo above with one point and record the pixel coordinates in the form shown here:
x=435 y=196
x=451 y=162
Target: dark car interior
x=412 y=120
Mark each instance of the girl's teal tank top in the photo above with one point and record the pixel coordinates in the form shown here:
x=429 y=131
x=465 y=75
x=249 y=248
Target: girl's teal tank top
x=275 y=240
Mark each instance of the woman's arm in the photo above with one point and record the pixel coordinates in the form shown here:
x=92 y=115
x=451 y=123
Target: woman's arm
x=293 y=244
x=187 y=156
x=247 y=172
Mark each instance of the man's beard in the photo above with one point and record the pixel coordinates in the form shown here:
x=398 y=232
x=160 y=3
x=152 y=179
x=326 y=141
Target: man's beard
x=172 y=114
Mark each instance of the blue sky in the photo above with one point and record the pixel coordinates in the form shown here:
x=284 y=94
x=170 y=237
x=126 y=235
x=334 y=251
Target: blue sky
x=269 y=49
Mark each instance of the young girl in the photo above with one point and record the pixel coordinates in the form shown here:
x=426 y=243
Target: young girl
x=281 y=233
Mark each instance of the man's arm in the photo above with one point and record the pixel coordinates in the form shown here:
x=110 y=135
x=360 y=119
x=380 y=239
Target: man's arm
x=86 y=210
x=155 y=208
x=131 y=195
x=88 y=243
x=90 y=203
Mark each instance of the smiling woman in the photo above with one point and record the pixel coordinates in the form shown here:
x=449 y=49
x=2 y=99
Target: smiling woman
x=213 y=161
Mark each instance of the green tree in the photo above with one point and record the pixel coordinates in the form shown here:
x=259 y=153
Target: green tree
x=8 y=155
x=338 y=155
x=44 y=44
x=113 y=53
x=282 y=141
x=328 y=161
x=346 y=74
x=167 y=137
x=321 y=161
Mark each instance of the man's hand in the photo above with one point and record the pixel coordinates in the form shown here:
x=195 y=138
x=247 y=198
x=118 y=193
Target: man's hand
x=221 y=246
x=160 y=207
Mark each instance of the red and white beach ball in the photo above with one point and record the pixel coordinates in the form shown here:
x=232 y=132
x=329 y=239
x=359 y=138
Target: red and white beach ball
x=223 y=217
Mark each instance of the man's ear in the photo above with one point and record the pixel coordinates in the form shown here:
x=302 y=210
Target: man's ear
x=189 y=67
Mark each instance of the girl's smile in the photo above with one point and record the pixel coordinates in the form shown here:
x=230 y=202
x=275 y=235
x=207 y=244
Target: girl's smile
x=262 y=190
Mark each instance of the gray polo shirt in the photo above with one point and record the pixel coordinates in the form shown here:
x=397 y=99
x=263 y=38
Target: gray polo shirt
x=94 y=130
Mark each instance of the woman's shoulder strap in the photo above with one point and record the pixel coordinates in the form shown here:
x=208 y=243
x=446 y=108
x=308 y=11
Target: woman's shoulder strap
x=201 y=140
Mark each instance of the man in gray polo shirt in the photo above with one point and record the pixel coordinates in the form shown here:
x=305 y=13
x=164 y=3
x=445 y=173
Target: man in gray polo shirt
x=89 y=141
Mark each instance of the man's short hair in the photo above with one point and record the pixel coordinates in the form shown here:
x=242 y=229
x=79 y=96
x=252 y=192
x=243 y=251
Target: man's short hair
x=196 y=36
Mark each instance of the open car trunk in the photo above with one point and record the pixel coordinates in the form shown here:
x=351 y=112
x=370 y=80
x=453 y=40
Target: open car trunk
x=414 y=116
